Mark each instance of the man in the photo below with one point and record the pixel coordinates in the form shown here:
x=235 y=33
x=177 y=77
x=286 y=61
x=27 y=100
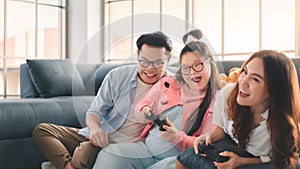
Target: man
x=110 y=119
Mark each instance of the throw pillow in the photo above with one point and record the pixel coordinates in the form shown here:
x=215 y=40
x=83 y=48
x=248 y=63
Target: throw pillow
x=55 y=77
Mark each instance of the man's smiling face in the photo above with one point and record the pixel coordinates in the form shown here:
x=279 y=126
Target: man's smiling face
x=157 y=58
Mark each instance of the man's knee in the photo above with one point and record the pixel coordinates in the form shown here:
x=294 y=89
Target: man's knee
x=40 y=129
x=85 y=155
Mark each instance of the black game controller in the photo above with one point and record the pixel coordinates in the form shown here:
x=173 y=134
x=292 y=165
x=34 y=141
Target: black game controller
x=157 y=121
x=211 y=153
x=160 y=123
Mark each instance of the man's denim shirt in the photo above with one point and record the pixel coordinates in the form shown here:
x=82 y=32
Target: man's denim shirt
x=113 y=100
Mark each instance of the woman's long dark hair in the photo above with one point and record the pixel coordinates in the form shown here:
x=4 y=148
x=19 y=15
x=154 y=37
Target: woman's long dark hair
x=283 y=119
x=201 y=49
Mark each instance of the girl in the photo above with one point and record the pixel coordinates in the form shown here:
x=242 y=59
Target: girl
x=260 y=114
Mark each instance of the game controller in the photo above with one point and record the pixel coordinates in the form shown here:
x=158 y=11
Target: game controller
x=160 y=123
x=212 y=153
x=157 y=121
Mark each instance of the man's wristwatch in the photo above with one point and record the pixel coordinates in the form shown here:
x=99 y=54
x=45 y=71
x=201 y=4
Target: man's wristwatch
x=265 y=159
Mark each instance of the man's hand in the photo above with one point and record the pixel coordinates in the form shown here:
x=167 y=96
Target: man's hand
x=98 y=137
x=171 y=132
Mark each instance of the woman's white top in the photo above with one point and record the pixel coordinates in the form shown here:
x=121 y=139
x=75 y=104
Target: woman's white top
x=259 y=143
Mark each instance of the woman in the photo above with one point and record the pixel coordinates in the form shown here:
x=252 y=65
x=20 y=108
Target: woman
x=260 y=114
x=186 y=100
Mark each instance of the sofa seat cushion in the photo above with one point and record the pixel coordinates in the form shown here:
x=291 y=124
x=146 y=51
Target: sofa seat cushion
x=55 y=77
x=20 y=116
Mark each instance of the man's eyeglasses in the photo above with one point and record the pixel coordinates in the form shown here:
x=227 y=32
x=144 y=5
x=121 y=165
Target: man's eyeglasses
x=197 y=67
x=156 y=64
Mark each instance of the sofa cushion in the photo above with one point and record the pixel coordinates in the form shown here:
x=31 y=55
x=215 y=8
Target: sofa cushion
x=100 y=74
x=55 y=77
x=95 y=80
x=20 y=116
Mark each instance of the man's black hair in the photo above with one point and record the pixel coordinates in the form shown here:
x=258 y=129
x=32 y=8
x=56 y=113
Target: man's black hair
x=157 y=39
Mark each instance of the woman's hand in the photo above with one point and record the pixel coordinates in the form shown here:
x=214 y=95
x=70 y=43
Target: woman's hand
x=233 y=162
x=171 y=132
x=199 y=139
x=212 y=136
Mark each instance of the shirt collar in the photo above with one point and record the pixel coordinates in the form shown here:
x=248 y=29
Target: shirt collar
x=265 y=115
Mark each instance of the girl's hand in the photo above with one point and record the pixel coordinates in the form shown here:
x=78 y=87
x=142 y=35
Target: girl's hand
x=233 y=162
x=171 y=132
x=147 y=109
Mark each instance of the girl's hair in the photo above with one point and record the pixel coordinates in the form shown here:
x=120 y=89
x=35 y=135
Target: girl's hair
x=201 y=49
x=196 y=33
x=282 y=84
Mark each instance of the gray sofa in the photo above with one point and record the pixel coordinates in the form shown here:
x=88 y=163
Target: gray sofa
x=18 y=117
x=44 y=98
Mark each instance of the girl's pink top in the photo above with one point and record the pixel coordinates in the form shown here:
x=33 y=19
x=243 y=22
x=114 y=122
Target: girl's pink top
x=168 y=94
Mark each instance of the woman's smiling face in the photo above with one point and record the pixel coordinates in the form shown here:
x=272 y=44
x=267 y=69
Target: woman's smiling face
x=252 y=87
x=196 y=79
